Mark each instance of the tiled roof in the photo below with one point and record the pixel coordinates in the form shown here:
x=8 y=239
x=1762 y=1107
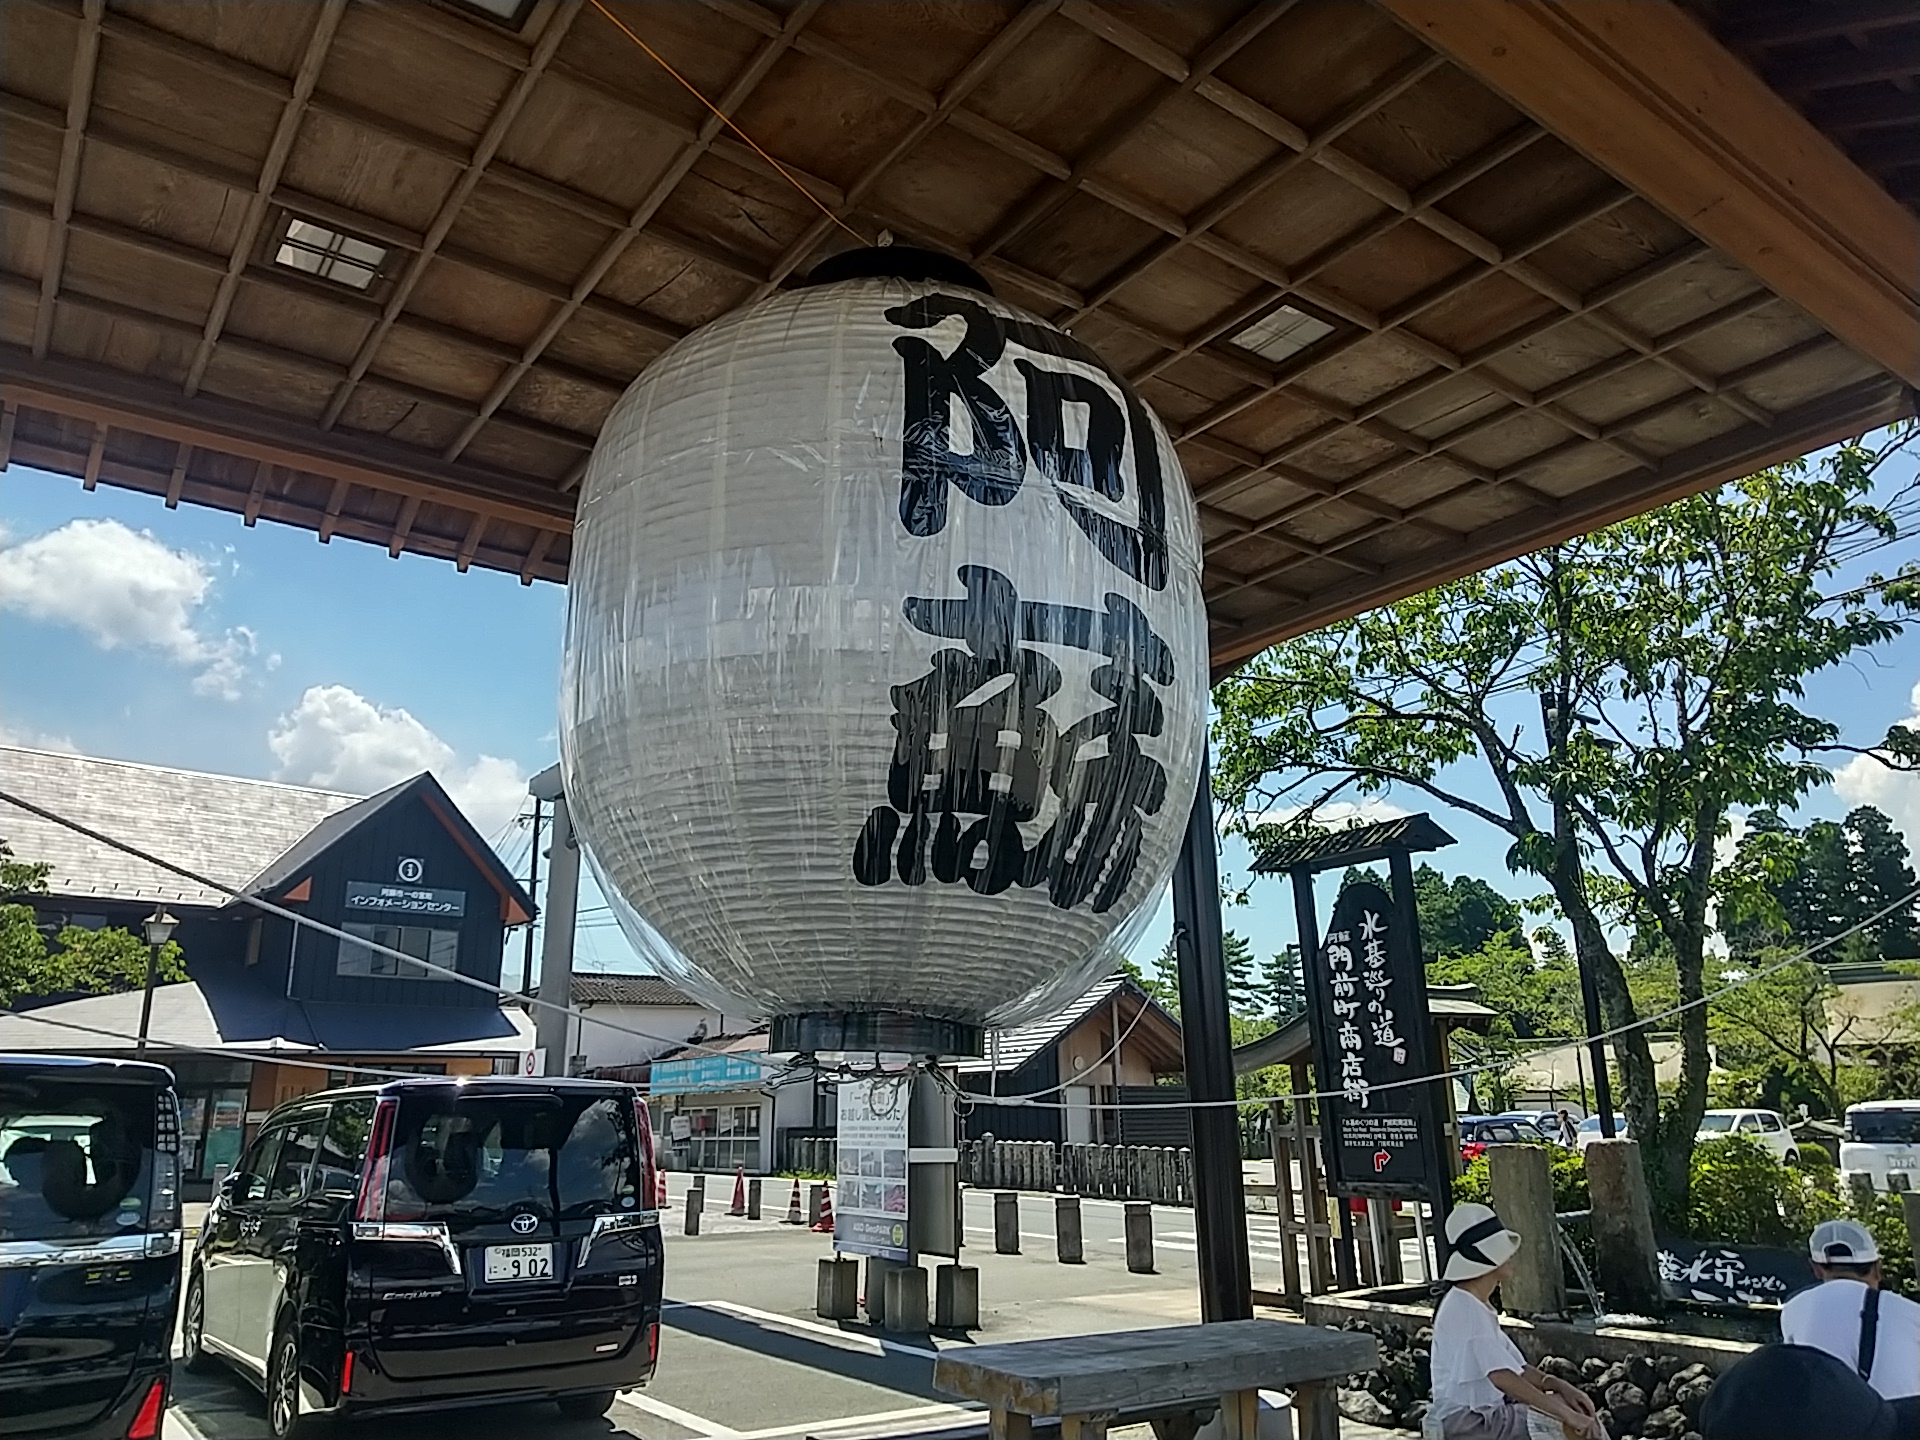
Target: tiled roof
x=226 y=828
x=618 y=989
x=1010 y=1049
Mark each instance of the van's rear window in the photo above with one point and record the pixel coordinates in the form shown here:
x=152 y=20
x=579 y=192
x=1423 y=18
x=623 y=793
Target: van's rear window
x=76 y=1159
x=483 y=1157
x=1884 y=1127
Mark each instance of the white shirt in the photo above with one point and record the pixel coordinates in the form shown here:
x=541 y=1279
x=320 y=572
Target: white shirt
x=1468 y=1346
x=1827 y=1317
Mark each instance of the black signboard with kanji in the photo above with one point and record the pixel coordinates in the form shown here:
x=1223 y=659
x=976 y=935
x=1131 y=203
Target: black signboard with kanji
x=1367 y=1005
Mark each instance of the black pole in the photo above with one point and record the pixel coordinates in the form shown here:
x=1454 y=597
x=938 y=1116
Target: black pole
x=1441 y=1154
x=146 y=1000
x=1219 y=1199
x=533 y=889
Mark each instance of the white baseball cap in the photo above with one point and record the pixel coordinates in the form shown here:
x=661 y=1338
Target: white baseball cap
x=1478 y=1242
x=1842 y=1242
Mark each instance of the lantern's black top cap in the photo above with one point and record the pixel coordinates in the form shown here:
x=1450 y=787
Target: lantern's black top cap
x=897 y=262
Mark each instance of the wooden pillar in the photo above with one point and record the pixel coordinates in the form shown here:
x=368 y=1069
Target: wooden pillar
x=1313 y=1193
x=1283 y=1189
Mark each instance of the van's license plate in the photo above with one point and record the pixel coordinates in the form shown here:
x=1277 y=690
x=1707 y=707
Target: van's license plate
x=507 y=1263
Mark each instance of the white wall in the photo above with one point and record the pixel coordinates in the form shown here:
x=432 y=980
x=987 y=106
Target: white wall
x=673 y=1024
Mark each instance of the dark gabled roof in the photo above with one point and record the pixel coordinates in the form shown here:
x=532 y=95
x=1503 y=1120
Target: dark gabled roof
x=618 y=989
x=1319 y=849
x=1453 y=1007
x=287 y=868
x=1008 y=1050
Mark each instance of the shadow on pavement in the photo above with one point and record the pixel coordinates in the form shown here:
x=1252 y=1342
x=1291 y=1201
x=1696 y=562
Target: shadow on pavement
x=908 y=1374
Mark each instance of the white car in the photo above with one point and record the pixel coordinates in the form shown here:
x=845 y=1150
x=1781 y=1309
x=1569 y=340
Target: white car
x=1588 y=1131
x=1765 y=1126
x=1882 y=1142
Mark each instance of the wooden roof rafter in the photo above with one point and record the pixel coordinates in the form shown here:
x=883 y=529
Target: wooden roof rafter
x=1518 y=336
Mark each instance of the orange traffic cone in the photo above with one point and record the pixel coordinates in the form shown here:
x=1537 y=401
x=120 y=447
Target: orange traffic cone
x=661 y=1197
x=739 y=1206
x=825 y=1224
x=794 y=1217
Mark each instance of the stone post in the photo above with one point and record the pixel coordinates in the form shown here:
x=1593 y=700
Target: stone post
x=1523 y=1198
x=753 y=1198
x=878 y=1269
x=906 y=1287
x=696 y=1200
x=816 y=1198
x=1627 y=1261
x=956 y=1297
x=837 y=1293
x=1066 y=1230
x=1006 y=1223
x=1139 y=1230
x=1910 y=1212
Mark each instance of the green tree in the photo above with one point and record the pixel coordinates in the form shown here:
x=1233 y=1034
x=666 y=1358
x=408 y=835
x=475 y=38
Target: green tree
x=1461 y=915
x=1818 y=882
x=1283 y=984
x=1245 y=1000
x=91 y=961
x=1622 y=693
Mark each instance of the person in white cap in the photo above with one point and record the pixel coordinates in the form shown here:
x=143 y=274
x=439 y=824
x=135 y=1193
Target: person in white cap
x=1850 y=1317
x=1483 y=1388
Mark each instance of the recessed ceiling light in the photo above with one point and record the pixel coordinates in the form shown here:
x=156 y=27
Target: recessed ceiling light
x=1282 y=333
x=316 y=250
x=508 y=12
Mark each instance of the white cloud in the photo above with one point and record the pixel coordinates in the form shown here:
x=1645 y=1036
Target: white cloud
x=1863 y=780
x=338 y=739
x=37 y=740
x=1336 y=815
x=125 y=590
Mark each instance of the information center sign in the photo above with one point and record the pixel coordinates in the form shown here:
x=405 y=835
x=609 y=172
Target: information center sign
x=870 y=1200
x=1367 y=998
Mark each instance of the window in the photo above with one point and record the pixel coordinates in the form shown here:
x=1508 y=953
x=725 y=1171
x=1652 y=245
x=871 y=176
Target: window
x=343 y=1147
x=1770 y=1123
x=300 y=1141
x=1748 y=1124
x=1282 y=333
x=441 y=947
x=316 y=250
x=259 y=1161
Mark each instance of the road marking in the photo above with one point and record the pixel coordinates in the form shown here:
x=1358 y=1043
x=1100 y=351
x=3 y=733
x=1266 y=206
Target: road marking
x=175 y=1426
x=882 y=1417
x=845 y=1339
x=685 y=1419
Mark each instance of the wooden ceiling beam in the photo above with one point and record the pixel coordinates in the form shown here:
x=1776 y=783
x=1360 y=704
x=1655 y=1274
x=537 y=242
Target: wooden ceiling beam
x=85 y=393
x=1648 y=95
x=86 y=64
x=756 y=69
x=319 y=41
x=498 y=124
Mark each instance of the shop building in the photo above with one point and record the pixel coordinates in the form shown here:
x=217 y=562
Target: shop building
x=627 y=1019
x=272 y=1010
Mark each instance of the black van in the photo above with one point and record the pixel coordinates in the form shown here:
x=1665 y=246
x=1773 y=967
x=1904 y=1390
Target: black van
x=89 y=1246
x=434 y=1243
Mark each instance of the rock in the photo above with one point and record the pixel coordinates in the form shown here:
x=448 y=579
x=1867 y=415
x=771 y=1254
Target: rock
x=1361 y=1408
x=1423 y=1336
x=1666 y=1365
x=1415 y=1415
x=1661 y=1396
x=1592 y=1368
x=1612 y=1375
x=1691 y=1397
x=1627 y=1403
x=1689 y=1372
x=1641 y=1372
x=1671 y=1421
x=1561 y=1368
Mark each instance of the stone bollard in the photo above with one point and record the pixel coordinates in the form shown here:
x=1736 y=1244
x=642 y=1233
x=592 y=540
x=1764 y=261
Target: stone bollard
x=956 y=1297
x=1861 y=1185
x=1910 y=1212
x=816 y=1198
x=753 y=1198
x=1006 y=1223
x=877 y=1271
x=1139 y=1224
x=906 y=1300
x=1066 y=1230
x=696 y=1198
x=1626 y=1259
x=837 y=1292
x=1523 y=1199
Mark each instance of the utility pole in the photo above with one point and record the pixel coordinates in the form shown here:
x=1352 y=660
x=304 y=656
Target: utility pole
x=533 y=889
x=556 y=953
x=1556 y=714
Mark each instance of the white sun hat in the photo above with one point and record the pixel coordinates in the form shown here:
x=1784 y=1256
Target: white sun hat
x=1477 y=1242
x=1842 y=1242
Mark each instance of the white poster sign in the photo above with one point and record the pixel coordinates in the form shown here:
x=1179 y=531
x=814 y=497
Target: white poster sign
x=870 y=1202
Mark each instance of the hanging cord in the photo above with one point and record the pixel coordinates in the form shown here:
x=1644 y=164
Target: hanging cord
x=727 y=120
x=307 y=922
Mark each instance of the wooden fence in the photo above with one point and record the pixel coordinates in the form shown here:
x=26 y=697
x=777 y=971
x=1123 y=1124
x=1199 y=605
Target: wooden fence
x=1115 y=1172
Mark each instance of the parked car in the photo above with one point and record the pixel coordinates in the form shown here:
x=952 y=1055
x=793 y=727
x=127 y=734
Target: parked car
x=89 y=1246
x=1588 y=1131
x=1477 y=1132
x=1882 y=1141
x=1765 y=1126
x=1547 y=1122
x=435 y=1243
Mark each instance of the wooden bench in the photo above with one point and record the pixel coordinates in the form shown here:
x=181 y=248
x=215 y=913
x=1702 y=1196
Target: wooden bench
x=1174 y=1377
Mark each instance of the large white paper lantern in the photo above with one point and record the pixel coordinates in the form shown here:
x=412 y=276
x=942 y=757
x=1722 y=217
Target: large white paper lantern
x=885 y=677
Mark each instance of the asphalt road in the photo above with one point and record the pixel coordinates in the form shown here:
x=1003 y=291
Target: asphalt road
x=743 y=1357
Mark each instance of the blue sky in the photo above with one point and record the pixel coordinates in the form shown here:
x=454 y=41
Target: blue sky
x=179 y=637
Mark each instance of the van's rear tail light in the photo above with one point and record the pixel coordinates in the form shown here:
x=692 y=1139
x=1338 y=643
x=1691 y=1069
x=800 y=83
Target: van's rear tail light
x=643 y=1132
x=653 y=1344
x=372 y=1204
x=146 y=1424
x=346 y=1373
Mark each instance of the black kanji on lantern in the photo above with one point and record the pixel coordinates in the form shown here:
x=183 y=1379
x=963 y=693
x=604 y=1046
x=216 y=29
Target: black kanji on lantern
x=989 y=468
x=977 y=757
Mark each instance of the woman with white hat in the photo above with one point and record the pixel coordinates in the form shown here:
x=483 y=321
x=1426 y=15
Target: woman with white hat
x=1483 y=1388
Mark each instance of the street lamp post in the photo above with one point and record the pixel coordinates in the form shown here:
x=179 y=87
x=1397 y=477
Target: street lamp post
x=159 y=927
